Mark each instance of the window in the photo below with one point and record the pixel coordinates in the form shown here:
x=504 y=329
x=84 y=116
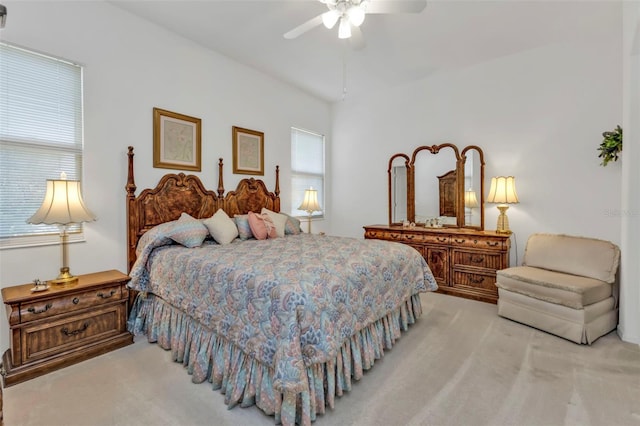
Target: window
x=307 y=168
x=40 y=137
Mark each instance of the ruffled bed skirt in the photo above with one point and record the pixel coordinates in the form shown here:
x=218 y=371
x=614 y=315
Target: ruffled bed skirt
x=245 y=381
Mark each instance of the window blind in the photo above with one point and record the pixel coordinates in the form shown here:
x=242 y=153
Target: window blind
x=41 y=136
x=307 y=168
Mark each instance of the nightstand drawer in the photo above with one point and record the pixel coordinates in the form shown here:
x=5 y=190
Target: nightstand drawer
x=45 y=340
x=49 y=307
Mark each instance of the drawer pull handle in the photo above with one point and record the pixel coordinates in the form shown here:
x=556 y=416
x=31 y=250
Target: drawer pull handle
x=476 y=280
x=442 y=239
x=395 y=236
x=40 y=311
x=410 y=237
x=458 y=241
x=492 y=243
x=68 y=333
x=75 y=300
x=106 y=296
x=477 y=259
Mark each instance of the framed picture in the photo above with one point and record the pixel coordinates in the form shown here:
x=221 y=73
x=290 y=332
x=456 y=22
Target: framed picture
x=248 y=151
x=176 y=141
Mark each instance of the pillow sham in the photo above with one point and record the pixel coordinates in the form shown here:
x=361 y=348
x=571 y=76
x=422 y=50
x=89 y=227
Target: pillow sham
x=221 y=227
x=242 y=223
x=262 y=226
x=188 y=231
x=279 y=220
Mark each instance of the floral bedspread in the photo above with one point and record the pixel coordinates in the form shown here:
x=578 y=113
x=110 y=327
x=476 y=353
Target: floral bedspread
x=288 y=302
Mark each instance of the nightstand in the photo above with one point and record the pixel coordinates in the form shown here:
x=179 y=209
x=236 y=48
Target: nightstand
x=63 y=325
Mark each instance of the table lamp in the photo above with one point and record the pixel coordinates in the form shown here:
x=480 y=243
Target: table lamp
x=310 y=204
x=62 y=205
x=503 y=192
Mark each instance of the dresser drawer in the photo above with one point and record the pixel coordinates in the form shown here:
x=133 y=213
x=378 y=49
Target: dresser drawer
x=49 y=307
x=484 y=259
x=476 y=280
x=482 y=243
x=46 y=340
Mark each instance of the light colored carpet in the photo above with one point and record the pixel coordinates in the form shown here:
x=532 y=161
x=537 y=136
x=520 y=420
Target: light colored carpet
x=460 y=364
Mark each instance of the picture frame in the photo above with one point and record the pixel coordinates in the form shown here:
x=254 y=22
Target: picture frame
x=248 y=151
x=177 y=141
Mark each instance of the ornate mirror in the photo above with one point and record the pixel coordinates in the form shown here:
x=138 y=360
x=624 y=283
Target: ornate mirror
x=438 y=186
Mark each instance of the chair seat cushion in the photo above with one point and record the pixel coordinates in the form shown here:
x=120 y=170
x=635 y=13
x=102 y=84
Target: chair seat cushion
x=565 y=289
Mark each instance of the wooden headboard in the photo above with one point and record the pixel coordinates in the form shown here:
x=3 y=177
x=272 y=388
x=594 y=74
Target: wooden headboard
x=177 y=193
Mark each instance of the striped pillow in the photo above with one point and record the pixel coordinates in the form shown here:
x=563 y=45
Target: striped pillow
x=244 y=230
x=188 y=231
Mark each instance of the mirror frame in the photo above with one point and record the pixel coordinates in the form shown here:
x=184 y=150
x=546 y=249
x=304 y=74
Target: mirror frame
x=461 y=157
x=390 y=183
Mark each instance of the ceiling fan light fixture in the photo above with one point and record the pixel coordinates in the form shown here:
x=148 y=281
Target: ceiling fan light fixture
x=330 y=18
x=344 y=31
x=356 y=15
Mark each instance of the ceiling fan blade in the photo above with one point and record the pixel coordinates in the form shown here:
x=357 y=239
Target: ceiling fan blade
x=357 y=39
x=409 y=6
x=301 y=29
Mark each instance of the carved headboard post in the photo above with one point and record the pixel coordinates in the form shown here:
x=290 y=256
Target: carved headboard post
x=220 y=183
x=277 y=191
x=132 y=212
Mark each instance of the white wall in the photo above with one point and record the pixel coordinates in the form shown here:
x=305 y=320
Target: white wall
x=629 y=328
x=130 y=67
x=538 y=115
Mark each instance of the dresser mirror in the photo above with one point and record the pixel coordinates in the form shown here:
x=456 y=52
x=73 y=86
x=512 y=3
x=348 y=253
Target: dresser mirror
x=435 y=183
x=438 y=186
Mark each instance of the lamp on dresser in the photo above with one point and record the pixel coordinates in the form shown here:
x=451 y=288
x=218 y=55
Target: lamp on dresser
x=503 y=193
x=310 y=204
x=62 y=205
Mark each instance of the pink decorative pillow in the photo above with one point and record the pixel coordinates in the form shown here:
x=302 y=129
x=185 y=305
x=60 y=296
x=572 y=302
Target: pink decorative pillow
x=262 y=226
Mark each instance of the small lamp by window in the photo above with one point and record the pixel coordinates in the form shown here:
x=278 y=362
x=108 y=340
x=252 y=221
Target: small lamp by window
x=310 y=204
x=503 y=192
x=63 y=205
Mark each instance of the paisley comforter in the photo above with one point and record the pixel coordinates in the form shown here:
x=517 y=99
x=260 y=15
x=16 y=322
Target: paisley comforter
x=287 y=302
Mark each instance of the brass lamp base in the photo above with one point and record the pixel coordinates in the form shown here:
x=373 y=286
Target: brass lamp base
x=503 y=220
x=65 y=278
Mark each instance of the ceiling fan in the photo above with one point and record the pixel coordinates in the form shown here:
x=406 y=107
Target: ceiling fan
x=351 y=13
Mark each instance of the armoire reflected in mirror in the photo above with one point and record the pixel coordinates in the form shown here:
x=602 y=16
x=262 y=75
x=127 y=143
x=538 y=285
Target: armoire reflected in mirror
x=438 y=186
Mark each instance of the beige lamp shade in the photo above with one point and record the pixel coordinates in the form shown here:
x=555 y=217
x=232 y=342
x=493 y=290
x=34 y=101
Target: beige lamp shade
x=62 y=204
x=503 y=192
x=310 y=202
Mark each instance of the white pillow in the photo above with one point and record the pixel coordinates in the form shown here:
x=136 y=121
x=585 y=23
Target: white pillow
x=221 y=227
x=278 y=219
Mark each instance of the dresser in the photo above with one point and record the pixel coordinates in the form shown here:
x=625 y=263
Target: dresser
x=463 y=261
x=64 y=325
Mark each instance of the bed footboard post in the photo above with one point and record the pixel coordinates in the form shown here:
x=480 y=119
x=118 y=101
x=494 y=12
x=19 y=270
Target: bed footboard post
x=132 y=212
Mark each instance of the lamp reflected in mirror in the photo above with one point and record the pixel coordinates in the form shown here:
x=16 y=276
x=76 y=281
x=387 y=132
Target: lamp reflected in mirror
x=503 y=193
x=470 y=203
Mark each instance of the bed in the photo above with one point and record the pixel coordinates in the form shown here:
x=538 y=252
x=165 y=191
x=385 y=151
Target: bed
x=281 y=323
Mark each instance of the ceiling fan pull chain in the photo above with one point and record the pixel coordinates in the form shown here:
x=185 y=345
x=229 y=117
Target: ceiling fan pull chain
x=344 y=79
